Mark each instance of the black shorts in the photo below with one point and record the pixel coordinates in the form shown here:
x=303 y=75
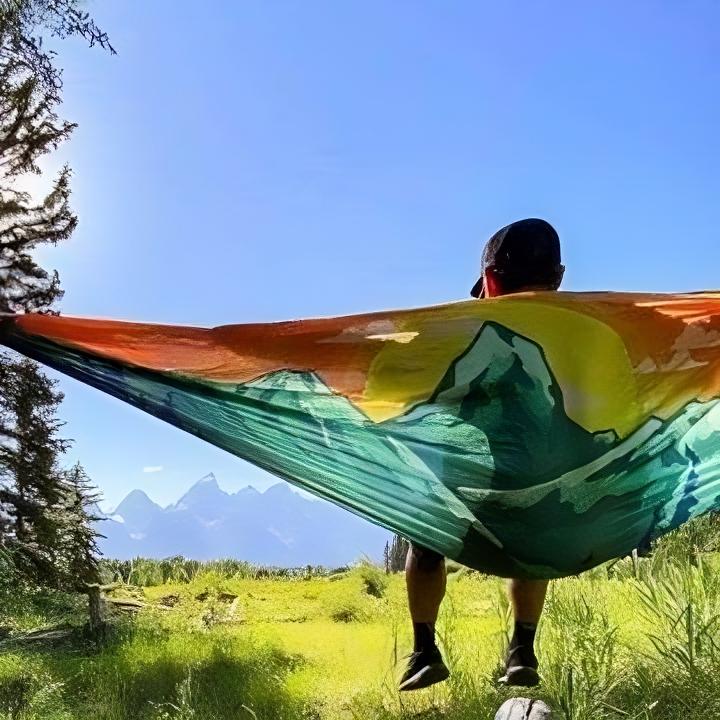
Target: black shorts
x=426 y=559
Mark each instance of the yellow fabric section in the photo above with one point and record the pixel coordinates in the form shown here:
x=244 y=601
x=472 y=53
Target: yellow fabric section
x=587 y=356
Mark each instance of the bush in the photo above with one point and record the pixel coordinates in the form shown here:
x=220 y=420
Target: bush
x=8 y=574
x=346 y=613
x=26 y=690
x=17 y=692
x=691 y=541
x=374 y=579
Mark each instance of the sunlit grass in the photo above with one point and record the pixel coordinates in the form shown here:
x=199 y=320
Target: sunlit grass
x=640 y=639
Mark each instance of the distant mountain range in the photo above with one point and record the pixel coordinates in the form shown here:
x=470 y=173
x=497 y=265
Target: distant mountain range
x=276 y=527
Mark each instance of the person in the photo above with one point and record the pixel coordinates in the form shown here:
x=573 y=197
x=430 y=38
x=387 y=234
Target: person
x=520 y=257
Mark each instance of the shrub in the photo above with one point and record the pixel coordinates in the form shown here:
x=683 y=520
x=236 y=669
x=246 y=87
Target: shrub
x=346 y=613
x=374 y=579
x=26 y=690
x=692 y=540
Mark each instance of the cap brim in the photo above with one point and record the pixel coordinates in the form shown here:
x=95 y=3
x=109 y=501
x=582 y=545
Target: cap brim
x=478 y=289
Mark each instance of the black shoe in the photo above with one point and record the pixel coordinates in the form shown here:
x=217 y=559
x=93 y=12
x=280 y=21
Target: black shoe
x=424 y=668
x=521 y=668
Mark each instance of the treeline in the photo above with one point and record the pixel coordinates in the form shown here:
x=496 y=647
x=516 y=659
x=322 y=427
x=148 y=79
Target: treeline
x=145 y=572
x=46 y=508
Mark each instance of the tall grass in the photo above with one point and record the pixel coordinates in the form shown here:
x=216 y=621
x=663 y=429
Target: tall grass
x=636 y=639
x=579 y=651
x=150 y=671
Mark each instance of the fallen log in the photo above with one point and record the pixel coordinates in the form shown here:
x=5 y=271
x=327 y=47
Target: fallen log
x=125 y=603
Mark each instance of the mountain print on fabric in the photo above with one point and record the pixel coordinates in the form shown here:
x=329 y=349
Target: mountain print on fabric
x=513 y=418
x=539 y=463
x=532 y=436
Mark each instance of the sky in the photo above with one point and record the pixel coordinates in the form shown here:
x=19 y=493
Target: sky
x=260 y=161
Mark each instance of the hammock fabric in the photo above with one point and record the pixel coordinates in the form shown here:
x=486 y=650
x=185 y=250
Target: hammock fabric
x=534 y=435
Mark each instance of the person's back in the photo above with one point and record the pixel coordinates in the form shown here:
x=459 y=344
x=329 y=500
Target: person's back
x=521 y=257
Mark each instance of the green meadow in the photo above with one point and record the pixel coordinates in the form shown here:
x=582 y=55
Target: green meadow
x=638 y=638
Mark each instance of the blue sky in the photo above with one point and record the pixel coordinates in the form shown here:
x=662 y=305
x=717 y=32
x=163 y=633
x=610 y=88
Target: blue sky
x=260 y=161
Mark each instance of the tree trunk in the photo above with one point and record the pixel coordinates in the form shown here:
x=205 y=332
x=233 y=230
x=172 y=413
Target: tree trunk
x=96 y=608
x=97 y=605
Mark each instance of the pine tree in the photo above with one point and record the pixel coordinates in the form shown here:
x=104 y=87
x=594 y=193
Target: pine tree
x=31 y=486
x=38 y=502
x=78 y=552
x=77 y=514
x=47 y=514
x=30 y=93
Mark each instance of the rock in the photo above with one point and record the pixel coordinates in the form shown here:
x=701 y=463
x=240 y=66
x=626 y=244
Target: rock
x=523 y=709
x=169 y=600
x=234 y=611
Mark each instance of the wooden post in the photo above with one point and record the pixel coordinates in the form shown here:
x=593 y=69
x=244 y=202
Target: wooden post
x=97 y=606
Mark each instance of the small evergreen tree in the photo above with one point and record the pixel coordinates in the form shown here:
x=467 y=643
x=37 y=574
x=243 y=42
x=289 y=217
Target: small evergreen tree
x=77 y=514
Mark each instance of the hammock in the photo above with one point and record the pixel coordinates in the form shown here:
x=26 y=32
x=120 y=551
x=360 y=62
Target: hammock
x=534 y=435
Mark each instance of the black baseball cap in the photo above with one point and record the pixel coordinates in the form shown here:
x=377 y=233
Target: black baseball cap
x=521 y=252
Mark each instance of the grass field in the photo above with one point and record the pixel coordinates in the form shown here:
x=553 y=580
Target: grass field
x=640 y=639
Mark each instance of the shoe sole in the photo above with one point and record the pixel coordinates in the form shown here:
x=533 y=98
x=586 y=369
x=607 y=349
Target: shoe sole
x=429 y=675
x=521 y=676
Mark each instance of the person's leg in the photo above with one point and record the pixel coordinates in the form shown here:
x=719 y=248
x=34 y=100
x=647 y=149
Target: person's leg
x=527 y=598
x=425 y=578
